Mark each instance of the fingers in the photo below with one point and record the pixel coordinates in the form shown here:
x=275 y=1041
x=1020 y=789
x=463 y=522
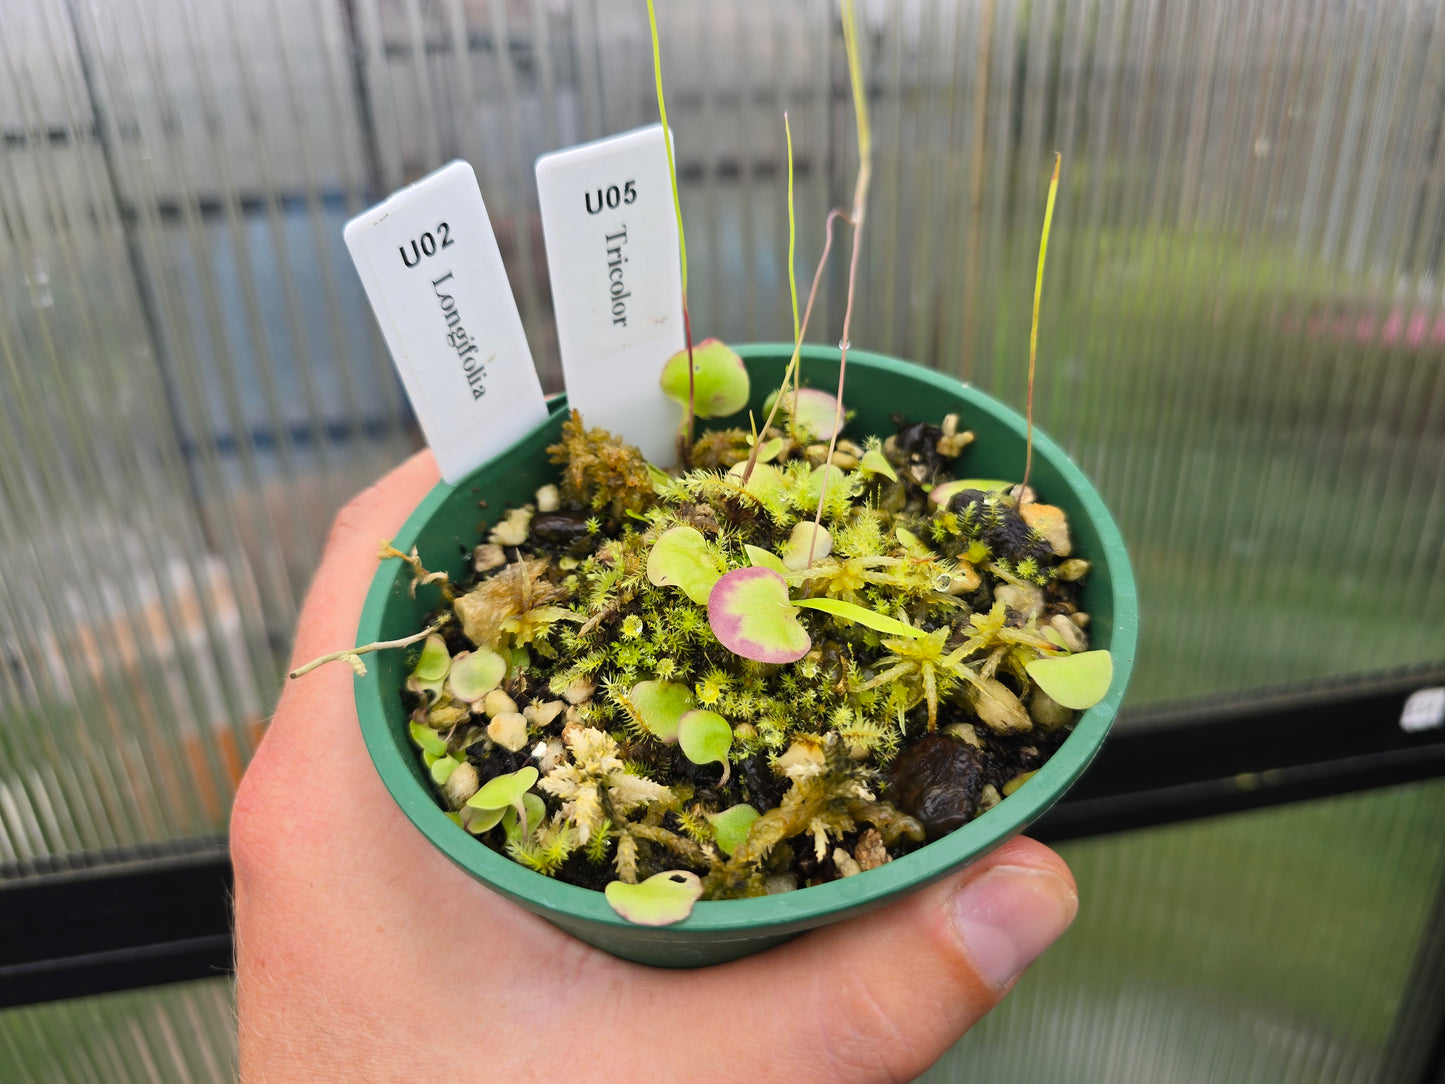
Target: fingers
x=883 y=996
x=333 y=604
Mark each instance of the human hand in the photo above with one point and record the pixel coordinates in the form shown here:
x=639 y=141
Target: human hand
x=362 y=954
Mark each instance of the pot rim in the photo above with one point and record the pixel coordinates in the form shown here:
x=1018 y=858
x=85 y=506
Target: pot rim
x=818 y=903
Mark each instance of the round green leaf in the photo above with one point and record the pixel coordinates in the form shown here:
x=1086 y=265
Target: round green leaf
x=731 y=826
x=476 y=673
x=1075 y=681
x=682 y=558
x=661 y=705
x=769 y=449
x=661 y=900
x=752 y=616
x=476 y=821
x=435 y=660
x=766 y=483
x=814 y=411
x=536 y=813
x=761 y=558
x=442 y=768
x=504 y=790
x=805 y=535
x=875 y=462
x=428 y=739
x=720 y=380
x=813 y=485
x=705 y=737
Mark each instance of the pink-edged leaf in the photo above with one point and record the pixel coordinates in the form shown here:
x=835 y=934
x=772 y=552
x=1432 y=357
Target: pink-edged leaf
x=752 y=616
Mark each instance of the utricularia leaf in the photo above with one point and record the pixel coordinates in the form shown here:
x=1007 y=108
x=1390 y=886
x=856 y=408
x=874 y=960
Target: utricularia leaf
x=875 y=462
x=661 y=900
x=435 y=660
x=705 y=737
x=720 y=380
x=731 y=826
x=813 y=411
x=752 y=616
x=476 y=673
x=682 y=558
x=499 y=794
x=864 y=616
x=762 y=558
x=1075 y=681
x=660 y=705
x=807 y=536
x=512 y=824
x=428 y=739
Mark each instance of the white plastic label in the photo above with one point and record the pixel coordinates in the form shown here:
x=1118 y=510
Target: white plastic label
x=1424 y=710
x=434 y=276
x=611 y=236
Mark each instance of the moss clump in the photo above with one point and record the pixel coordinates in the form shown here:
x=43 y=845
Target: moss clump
x=601 y=473
x=919 y=619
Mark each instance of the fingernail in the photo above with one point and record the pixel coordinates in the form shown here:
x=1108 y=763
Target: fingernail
x=1008 y=915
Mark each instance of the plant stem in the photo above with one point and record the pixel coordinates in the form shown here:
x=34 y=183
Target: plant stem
x=352 y=654
x=1034 y=327
x=860 y=204
x=792 y=231
x=686 y=450
x=791 y=372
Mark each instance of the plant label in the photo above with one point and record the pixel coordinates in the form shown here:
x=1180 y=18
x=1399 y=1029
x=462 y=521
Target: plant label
x=434 y=276
x=611 y=235
x=1424 y=710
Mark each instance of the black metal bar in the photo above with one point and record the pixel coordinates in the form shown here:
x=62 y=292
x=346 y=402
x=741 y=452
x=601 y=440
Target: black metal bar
x=85 y=924
x=1228 y=756
x=96 y=923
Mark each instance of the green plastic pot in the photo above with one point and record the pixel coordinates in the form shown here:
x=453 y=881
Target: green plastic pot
x=448 y=524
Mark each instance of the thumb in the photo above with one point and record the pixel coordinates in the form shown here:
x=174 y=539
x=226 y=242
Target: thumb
x=884 y=995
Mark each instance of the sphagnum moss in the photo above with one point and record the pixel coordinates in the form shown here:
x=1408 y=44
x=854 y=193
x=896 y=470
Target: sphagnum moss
x=621 y=735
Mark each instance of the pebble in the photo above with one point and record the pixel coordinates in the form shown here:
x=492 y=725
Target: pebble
x=513 y=530
x=497 y=702
x=509 y=730
x=870 y=852
x=1051 y=524
x=488 y=556
x=938 y=780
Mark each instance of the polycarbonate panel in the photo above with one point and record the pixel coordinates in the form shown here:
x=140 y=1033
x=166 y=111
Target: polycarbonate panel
x=1273 y=947
x=183 y=1034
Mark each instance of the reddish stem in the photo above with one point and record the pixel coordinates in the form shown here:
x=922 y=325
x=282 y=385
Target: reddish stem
x=802 y=330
